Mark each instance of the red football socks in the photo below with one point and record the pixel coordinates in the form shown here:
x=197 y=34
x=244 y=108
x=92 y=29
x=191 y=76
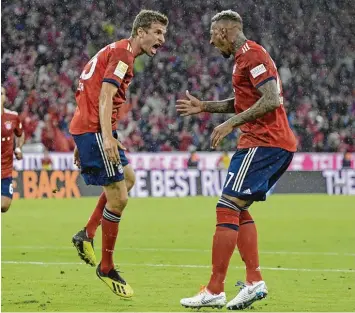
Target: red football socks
x=96 y=216
x=224 y=243
x=248 y=247
x=109 y=225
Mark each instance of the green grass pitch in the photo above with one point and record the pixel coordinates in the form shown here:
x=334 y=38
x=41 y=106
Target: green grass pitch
x=307 y=252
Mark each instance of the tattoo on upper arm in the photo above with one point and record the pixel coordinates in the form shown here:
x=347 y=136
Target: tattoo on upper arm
x=267 y=103
x=269 y=88
x=224 y=106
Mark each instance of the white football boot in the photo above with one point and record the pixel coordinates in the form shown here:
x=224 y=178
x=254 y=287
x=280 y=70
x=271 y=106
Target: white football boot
x=205 y=299
x=247 y=295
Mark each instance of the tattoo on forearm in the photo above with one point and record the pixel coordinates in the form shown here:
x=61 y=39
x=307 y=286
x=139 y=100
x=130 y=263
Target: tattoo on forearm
x=224 y=106
x=268 y=102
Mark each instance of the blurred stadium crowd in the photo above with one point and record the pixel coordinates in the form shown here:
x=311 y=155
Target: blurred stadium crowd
x=46 y=43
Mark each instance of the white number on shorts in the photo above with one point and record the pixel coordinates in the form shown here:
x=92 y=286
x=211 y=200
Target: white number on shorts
x=231 y=175
x=11 y=189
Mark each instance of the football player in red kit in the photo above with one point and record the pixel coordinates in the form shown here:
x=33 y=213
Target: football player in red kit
x=10 y=126
x=265 y=150
x=100 y=94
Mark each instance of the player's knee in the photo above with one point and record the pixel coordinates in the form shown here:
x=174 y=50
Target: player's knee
x=5 y=204
x=117 y=204
x=5 y=207
x=117 y=196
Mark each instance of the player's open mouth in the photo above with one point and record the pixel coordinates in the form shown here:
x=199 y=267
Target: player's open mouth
x=155 y=48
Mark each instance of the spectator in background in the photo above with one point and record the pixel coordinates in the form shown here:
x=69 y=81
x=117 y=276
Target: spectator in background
x=347 y=160
x=223 y=161
x=45 y=46
x=46 y=161
x=194 y=159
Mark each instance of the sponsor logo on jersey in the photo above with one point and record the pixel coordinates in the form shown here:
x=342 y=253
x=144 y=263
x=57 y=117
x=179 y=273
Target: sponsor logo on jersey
x=258 y=70
x=121 y=69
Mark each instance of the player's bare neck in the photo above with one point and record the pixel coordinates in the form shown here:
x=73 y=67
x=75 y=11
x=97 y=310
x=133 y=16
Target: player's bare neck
x=137 y=50
x=239 y=42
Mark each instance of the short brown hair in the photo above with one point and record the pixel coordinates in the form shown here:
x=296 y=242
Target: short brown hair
x=228 y=15
x=145 y=18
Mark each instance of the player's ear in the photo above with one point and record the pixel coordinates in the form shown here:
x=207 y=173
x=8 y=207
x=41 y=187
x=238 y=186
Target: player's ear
x=140 y=32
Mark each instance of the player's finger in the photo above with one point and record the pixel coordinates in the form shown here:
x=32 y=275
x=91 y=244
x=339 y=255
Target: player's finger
x=116 y=155
x=188 y=95
x=108 y=155
x=113 y=159
x=181 y=107
x=218 y=141
x=111 y=155
x=213 y=134
x=186 y=114
x=121 y=146
x=180 y=101
x=214 y=139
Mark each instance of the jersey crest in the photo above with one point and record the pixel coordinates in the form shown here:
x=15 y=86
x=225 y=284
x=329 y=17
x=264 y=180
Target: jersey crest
x=8 y=125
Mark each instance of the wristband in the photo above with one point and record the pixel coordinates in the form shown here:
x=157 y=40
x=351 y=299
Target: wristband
x=18 y=150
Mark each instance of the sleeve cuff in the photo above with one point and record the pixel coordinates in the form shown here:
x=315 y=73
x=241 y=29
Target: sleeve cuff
x=111 y=81
x=264 y=81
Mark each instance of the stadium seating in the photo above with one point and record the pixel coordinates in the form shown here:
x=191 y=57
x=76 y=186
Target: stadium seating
x=46 y=43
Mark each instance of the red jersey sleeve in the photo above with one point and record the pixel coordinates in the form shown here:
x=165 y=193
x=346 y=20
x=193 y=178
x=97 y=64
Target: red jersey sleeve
x=260 y=67
x=18 y=128
x=120 y=60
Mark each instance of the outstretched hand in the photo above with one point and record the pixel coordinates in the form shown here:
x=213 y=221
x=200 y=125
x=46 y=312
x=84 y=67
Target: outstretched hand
x=190 y=106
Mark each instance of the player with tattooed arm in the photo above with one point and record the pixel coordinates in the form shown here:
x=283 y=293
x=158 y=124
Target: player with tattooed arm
x=265 y=150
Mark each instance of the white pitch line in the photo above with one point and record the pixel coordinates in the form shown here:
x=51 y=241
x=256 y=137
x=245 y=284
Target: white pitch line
x=41 y=263
x=181 y=250
x=188 y=266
